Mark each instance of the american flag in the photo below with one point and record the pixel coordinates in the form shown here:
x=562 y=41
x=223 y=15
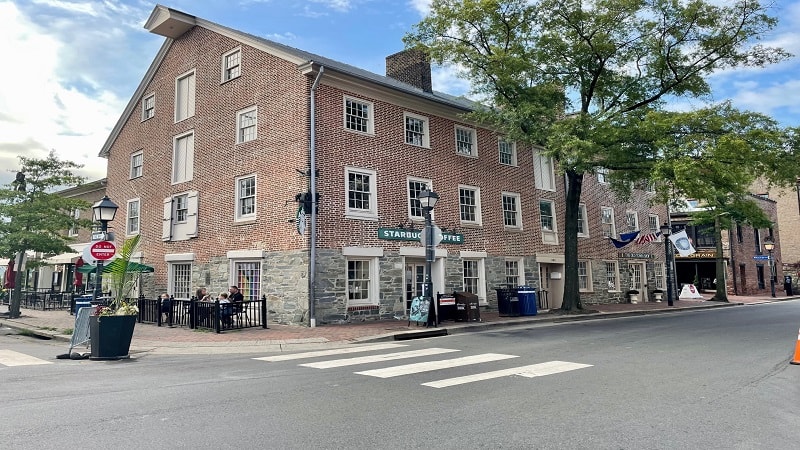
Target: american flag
x=645 y=238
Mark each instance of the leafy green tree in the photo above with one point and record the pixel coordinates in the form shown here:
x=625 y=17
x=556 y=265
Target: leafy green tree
x=589 y=81
x=33 y=217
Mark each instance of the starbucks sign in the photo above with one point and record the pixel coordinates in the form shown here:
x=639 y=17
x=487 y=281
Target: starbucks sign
x=401 y=234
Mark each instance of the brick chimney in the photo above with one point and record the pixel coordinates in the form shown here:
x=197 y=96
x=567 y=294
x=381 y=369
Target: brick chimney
x=412 y=67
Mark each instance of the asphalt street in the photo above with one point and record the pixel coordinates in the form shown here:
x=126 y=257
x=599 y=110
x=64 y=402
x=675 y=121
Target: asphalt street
x=716 y=378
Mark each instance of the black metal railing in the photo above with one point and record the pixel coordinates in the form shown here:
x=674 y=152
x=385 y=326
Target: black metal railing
x=42 y=298
x=204 y=315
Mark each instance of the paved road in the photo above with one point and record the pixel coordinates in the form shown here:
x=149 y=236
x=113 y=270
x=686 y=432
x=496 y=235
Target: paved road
x=705 y=379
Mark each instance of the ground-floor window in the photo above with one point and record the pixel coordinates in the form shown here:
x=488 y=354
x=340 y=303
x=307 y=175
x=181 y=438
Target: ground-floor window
x=180 y=282
x=247 y=276
x=514 y=272
x=658 y=272
x=362 y=281
x=584 y=276
x=471 y=276
x=612 y=277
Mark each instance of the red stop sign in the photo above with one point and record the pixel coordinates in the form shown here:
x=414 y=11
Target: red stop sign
x=102 y=250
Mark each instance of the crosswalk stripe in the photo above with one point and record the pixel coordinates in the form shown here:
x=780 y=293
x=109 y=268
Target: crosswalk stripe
x=338 y=351
x=434 y=365
x=535 y=370
x=377 y=358
x=12 y=358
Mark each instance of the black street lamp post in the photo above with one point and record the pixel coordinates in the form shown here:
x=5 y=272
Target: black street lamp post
x=103 y=211
x=666 y=231
x=427 y=200
x=769 y=244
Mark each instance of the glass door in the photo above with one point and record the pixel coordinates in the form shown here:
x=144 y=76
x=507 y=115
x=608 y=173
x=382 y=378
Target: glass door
x=415 y=279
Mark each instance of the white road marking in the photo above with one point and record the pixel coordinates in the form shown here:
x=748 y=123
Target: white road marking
x=434 y=365
x=377 y=358
x=338 y=351
x=12 y=358
x=535 y=370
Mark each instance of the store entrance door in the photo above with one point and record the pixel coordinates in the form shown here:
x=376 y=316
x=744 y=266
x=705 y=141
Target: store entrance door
x=415 y=279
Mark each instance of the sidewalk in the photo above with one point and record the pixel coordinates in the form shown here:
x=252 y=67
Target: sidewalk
x=181 y=340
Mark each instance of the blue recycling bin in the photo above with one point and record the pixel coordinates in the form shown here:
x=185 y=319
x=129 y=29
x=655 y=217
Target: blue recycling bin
x=527 y=300
x=84 y=301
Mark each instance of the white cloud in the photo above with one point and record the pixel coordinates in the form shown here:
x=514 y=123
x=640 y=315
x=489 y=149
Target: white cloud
x=423 y=7
x=338 y=5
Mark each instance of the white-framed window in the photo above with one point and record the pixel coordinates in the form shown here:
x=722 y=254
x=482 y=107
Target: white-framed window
x=361 y=188
x=183 y=158
x=654 y=224
x=417 y=130
x=658 y=273
x=547 y=218
x=515 y=275
x=543 y=173
x=180 y=217
x=466 y=141
x=512 y=214
x=359 y=115
x=137 y=164
x=469 y=204
x=602 y=175
x=246 y=197
x=507 y=151
x=180 y=280
x=133 y=217
x=148 y=106
x=607 y=222
x=247 y=125
x=361 y=290
x=632 y=220
x=584 y=276
x=73 y=231
x=246 y=275
x=583 y=223
x=473 y=273
x=612 y=276
x=415 y=186
x=231 y=64
x=184 y=96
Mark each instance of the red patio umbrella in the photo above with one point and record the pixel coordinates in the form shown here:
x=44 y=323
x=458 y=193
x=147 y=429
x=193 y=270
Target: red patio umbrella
x=10 y=275
x=78 y=275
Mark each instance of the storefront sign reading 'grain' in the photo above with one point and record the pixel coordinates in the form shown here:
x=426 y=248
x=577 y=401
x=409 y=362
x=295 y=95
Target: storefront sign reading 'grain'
x=401 y=234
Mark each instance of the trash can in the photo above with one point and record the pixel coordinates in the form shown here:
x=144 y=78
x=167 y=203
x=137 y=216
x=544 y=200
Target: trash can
x=82 y=302
x=527 y=300
x=507 y=302
x=467 y=307
x=447 y=307
x=787 y=284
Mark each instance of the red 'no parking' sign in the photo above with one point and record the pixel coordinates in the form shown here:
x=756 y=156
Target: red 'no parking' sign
x=102 y=250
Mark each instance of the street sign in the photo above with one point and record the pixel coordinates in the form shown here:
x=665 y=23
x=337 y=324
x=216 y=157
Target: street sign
x=761 y=257
x=102 y=250
x=437 y=236
x=98 y=236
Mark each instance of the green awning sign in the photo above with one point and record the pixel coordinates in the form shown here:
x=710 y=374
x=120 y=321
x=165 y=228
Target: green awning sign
x=401 y=234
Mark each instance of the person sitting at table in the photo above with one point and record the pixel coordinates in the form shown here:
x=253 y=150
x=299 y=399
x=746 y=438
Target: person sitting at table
x=202 y=295
x=226 y=308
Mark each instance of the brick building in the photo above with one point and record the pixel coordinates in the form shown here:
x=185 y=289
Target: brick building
x=787 y=202
x=745 y=274
x=225 y=131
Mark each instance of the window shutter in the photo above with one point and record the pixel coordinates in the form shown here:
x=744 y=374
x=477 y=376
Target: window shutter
x=191 y=221
x=190 y=96
x=189 y=169
x=166 y=225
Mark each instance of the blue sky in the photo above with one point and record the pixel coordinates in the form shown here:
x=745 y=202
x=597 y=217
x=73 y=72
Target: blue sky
x=71 y=66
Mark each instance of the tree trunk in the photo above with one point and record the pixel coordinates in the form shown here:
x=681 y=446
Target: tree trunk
x=722 y=289
x=16 y=293
x=572 y=298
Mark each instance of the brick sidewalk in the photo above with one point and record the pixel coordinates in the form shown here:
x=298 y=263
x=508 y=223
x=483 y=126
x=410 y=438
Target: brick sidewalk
x=148 y=336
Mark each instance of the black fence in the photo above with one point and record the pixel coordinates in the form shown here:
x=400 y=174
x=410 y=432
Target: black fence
x=204 y=315
x=44 y=299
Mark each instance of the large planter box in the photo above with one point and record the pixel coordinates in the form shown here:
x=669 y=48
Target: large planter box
x=110 y=336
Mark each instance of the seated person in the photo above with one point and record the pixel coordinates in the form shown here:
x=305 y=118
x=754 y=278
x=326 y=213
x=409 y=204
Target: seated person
x=166 y=304
x=227 y=309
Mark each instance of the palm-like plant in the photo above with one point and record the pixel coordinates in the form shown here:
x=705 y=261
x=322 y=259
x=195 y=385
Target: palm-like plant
x=123 y=278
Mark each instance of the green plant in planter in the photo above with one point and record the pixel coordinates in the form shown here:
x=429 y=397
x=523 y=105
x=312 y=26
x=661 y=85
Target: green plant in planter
x=122 y=280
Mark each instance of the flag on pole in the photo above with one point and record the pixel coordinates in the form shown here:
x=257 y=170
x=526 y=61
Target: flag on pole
x=647 y=238
x=624 y=239
x=682 y=243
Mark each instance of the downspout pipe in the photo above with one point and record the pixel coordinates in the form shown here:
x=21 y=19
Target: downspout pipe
x=312 y=173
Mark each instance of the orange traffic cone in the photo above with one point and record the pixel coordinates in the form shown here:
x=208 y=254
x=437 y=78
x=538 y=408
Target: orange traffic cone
x=796 y=359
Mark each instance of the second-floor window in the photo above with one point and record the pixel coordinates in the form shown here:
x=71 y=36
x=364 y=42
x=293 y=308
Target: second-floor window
x=543 y=174
x=632 y=220
x=361 y=192
x=415 y=186
x=132 y=224
x=511 y=210
x=358 y=115
x=465 y=142
x=247 y=125
x=416 y=128
x=183 y=158
x=246 y=197
x=137 y=163
x=507 y=151
x=469 y=204
x=583 y=224
x=607 y=222
x=75 y=215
